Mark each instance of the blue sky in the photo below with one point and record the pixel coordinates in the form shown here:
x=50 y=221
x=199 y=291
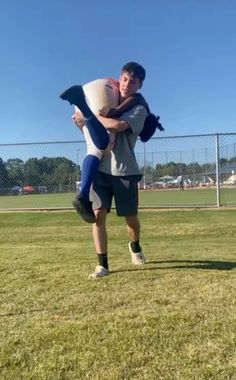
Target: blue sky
x=188 y=48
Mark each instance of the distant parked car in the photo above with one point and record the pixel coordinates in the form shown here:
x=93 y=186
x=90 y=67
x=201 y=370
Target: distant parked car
x=173 y=183
x=205 y=184
x=229 y=182
x=160 y=185
x=42 y=189
x=28 y=189
x=16 y=190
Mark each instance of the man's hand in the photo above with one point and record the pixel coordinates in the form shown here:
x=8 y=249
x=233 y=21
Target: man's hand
x=78 y=119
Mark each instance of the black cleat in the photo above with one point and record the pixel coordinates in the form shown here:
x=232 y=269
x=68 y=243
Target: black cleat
x=74 y=95
x=84 y=209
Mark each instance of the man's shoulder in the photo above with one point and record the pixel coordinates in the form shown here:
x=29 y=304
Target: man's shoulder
x=135 y=118
x=136 y=111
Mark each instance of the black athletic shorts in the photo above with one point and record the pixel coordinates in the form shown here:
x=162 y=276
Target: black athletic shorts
x=124 y=190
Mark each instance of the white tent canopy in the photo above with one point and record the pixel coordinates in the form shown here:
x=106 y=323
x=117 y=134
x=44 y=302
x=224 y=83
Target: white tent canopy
x=231 y=180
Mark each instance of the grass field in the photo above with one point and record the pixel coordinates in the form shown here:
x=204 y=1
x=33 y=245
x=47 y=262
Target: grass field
x=173 y=319
x=157 y=198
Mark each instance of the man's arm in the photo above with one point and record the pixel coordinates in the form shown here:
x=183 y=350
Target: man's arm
x=113 y=125
x=78 y=119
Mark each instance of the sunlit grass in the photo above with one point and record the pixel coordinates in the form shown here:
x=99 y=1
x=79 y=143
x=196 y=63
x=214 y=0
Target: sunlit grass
x=174 y=318
x=153 y=198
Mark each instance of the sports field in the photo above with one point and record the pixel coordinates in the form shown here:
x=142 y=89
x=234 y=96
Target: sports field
x=174 y=318
x=199 y=197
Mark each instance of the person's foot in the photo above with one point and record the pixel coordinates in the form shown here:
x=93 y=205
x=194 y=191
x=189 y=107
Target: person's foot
x=137 y=258
x=74 y=95
x=99 y=272
x=84 y=208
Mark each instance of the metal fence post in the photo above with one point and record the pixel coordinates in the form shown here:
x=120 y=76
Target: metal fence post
x=217 y=170
x=144 y=166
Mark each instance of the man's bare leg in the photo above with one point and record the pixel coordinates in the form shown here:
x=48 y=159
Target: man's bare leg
x=133 y=229
x=100 y=231
x=100 y=243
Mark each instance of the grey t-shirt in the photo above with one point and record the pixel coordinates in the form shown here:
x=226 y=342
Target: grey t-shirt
x=122 y=161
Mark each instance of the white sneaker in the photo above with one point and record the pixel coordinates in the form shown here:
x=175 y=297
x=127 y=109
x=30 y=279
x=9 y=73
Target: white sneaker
x=99 y=272
x=137 y=258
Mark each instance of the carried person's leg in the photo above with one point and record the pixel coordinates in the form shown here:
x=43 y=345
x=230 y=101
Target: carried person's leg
x=99 y=141
x=99 y=134
x=90 y=164
x=89 y=169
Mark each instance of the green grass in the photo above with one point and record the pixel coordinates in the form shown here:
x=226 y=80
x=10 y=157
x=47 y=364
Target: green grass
x=157 y=198
x=174 y=318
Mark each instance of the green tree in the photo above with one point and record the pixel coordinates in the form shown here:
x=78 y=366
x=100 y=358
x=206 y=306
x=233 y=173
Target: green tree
x=4 y=177
x=32 y=172
x=15 y=169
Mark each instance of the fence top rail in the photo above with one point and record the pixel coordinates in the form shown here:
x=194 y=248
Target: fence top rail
x=153 y=138
x=44 y=143
x=197 y=135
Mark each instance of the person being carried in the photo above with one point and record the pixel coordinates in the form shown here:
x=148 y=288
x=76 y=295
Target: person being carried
x=99 y=140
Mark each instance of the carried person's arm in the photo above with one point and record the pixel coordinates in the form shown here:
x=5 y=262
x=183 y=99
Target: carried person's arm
x=133 y=120
x=127 y=104
x=114 y=125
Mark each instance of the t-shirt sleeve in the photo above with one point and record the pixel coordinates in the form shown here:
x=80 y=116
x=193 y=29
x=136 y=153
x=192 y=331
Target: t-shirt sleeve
x=135 y=118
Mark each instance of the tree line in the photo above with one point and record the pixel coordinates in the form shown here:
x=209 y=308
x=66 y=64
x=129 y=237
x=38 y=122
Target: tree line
x=49 y=172
x=193 y=170
x=60 y=172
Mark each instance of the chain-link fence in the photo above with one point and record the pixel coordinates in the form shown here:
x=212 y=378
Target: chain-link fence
x=180 y=171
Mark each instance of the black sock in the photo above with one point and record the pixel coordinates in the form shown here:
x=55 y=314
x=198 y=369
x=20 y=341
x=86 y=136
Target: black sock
x=103 y=260
x=135 y=246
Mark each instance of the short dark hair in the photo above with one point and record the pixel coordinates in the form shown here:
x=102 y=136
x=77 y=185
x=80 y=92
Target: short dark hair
x=135 y=70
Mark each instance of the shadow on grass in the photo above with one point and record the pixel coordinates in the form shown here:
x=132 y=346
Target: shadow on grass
x=200 y=264
x=19 y=313
x=187 y=264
